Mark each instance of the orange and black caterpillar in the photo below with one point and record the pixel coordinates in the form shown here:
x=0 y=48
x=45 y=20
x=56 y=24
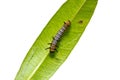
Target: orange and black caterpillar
x=57 y=37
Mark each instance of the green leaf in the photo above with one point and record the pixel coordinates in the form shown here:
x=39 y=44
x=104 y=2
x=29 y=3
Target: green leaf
x=40 y=64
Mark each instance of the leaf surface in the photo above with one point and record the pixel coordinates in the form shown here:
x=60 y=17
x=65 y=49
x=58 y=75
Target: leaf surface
x=40 y=64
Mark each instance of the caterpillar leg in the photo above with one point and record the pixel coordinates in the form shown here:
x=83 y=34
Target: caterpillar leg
x=49 y=43
x=53 y=38
x=47 y=48
x=56 y=50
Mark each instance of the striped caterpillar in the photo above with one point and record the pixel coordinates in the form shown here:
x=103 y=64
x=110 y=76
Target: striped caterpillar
x=57 y=37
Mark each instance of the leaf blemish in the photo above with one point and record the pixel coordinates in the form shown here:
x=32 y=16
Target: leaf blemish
x=80 y=21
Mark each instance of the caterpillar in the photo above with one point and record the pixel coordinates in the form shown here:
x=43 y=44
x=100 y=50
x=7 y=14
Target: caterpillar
x=53 y=44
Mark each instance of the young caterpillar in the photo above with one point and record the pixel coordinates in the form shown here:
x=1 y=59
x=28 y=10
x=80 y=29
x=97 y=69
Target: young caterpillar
x=57 y=37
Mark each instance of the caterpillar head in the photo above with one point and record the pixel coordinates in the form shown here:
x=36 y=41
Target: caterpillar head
x=67 y=23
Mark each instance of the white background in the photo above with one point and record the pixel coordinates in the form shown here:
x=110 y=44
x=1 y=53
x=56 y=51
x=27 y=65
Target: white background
x=95 y=57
